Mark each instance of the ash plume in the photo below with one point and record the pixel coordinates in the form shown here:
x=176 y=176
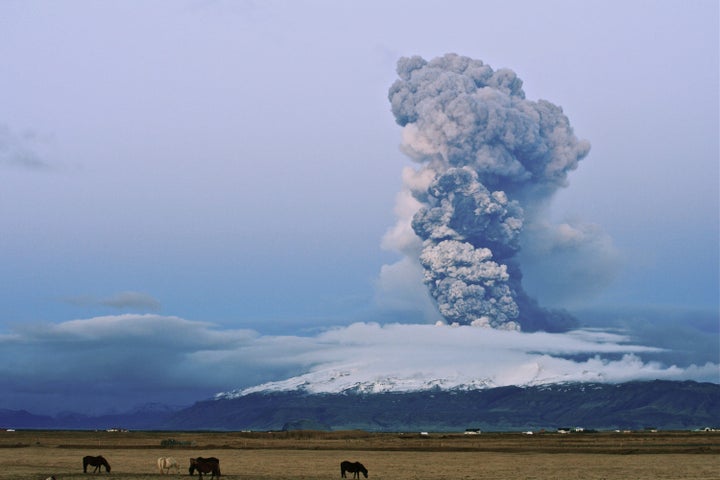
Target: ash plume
x=489 y=161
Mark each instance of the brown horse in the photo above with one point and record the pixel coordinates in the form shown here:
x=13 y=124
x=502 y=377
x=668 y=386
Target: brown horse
x=353 y=467
x=205 y=465
x=96 y=462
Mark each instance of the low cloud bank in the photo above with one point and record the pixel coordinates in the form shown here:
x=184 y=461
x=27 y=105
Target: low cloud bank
x=116 y=362
x=375 y=358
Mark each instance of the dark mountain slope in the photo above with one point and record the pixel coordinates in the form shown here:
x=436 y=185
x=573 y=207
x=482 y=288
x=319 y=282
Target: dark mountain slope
x=634 y=405
x=665 y=405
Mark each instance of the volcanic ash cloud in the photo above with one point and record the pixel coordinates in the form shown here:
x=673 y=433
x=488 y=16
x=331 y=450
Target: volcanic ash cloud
x=489 y=160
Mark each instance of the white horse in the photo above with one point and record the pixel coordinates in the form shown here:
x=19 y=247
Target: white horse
x=166 y=463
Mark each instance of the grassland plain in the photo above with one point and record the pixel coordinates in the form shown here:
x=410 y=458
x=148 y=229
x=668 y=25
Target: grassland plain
x=35 y=455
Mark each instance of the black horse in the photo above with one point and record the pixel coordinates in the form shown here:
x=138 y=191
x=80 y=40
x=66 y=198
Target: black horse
x=205 y=465
x=96 y=462
x=353 y=467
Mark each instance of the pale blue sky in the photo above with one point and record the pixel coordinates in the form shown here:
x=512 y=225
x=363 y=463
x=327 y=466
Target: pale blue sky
x=238 y=163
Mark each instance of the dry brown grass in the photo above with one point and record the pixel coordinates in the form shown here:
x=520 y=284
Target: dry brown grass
x=31 y=455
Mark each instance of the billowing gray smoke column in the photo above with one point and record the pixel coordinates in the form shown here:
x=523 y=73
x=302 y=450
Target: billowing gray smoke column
x=490 y=159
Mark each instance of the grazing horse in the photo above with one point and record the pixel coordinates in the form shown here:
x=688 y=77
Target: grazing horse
x=96 y=462
x=205 y=465
x=166 y=463
x=353 y=467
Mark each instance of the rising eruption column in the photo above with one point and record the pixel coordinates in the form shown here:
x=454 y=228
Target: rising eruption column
x=489 y=161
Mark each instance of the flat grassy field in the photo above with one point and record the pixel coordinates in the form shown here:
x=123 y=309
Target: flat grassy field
x=36 y=455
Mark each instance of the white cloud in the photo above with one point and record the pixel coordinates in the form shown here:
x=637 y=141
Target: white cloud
x=406 y=356
x=162 y=358
x=400 y=288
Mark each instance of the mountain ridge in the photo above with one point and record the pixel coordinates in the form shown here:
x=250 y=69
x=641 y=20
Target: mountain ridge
x=662 y=404
x=634 y=405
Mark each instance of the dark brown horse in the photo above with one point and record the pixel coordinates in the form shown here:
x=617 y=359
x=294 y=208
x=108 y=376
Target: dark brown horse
x=205 y=465
x=96 y=462
x=353 y=467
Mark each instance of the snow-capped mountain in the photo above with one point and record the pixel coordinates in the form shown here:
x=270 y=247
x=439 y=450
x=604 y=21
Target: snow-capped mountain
x=379 y=359
x=363 y=378
x=355 y=381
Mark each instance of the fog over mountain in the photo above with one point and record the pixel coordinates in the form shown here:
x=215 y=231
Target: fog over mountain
x=371 y=358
